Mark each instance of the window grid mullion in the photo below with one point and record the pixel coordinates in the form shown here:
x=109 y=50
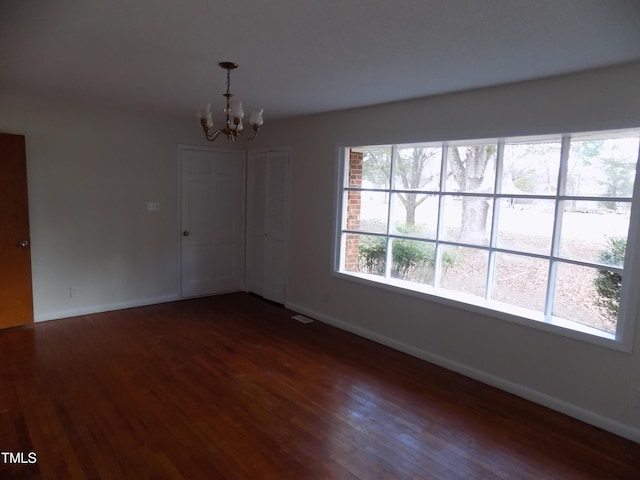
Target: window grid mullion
x=502 y=195
x=495 y=214
x=557 y=228
x=437 y=265
x=569 y=261
x=389 y=250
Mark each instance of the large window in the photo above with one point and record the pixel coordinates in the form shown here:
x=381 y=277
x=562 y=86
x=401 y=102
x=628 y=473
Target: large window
x=532 y=228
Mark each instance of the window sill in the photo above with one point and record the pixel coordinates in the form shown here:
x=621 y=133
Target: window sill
x=491 y=308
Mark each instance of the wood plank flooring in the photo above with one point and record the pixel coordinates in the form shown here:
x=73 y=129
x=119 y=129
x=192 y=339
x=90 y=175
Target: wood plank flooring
x=230 y=387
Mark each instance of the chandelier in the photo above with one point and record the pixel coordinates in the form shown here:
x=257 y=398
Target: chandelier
x=233 y=112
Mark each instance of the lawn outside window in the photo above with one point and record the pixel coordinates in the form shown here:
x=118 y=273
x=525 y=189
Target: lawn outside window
x=537 y=230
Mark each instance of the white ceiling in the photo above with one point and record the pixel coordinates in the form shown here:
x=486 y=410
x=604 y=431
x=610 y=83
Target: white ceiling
x=300 y=57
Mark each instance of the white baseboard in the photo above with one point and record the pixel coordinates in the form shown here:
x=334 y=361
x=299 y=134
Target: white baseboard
x=75 y=312
x=522 y=391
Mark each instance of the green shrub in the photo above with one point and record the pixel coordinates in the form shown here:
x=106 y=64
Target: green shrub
x=409 y=254
x=372 y=254
x=412 y=259
x=608 y=283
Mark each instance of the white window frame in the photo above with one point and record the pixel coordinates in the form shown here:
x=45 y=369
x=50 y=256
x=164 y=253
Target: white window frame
x=630 y=291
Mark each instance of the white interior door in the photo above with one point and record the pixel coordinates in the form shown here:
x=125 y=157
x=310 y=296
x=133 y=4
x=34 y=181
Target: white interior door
x=267 y=226
x=256 y=227
x=212 y=221
x=275 y=268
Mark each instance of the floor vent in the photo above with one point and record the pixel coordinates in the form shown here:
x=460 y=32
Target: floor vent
x=302 y=319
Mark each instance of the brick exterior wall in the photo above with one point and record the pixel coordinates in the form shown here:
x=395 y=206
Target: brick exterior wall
x=352 y=241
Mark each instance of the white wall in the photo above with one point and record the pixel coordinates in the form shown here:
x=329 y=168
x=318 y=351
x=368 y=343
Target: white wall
x=90 y=175
x=593 y=383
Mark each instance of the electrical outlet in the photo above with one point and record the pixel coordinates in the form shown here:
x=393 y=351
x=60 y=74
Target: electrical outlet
x=73 y=292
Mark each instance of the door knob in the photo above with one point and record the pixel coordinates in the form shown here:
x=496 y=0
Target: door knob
x=185 y=233
x=23 y=243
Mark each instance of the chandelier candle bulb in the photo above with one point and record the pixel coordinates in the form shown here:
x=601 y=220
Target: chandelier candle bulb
x=205 y=112
x=236 y=110
x=255 y=118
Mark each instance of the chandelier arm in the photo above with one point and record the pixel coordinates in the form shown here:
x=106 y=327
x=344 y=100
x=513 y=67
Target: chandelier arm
x=212 y=136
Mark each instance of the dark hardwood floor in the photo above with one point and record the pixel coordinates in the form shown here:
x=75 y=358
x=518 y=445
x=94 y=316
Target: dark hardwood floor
x=231 y=387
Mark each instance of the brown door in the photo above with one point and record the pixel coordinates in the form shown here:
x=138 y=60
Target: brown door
x=16 y=301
